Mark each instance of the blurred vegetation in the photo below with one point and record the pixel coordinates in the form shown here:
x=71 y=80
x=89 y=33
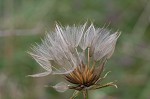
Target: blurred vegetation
x=24 y=22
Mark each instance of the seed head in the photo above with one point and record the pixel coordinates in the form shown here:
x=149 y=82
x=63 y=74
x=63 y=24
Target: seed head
x=79 y=53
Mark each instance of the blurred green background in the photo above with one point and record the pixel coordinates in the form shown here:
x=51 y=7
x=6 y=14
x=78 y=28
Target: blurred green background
x=24 y=22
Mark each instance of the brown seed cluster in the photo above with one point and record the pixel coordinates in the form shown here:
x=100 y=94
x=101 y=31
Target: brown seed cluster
x=83 y=76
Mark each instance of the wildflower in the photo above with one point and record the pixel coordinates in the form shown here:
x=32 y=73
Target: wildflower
x=79 y=53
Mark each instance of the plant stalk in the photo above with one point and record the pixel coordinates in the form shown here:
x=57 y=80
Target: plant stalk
x=85 y=94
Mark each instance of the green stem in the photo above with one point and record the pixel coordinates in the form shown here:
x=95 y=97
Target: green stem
x=85 y=94
x=75 y=94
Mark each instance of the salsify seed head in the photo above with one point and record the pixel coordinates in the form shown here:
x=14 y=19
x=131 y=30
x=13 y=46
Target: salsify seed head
x=76 y=52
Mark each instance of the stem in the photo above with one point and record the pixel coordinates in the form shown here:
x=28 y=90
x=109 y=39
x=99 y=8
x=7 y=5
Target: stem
x=85 y=94
x=75 y=94
x=94 y=64
x=88 y=57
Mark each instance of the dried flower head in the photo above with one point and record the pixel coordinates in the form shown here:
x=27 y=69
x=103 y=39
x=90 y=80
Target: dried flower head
x=79 y=53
